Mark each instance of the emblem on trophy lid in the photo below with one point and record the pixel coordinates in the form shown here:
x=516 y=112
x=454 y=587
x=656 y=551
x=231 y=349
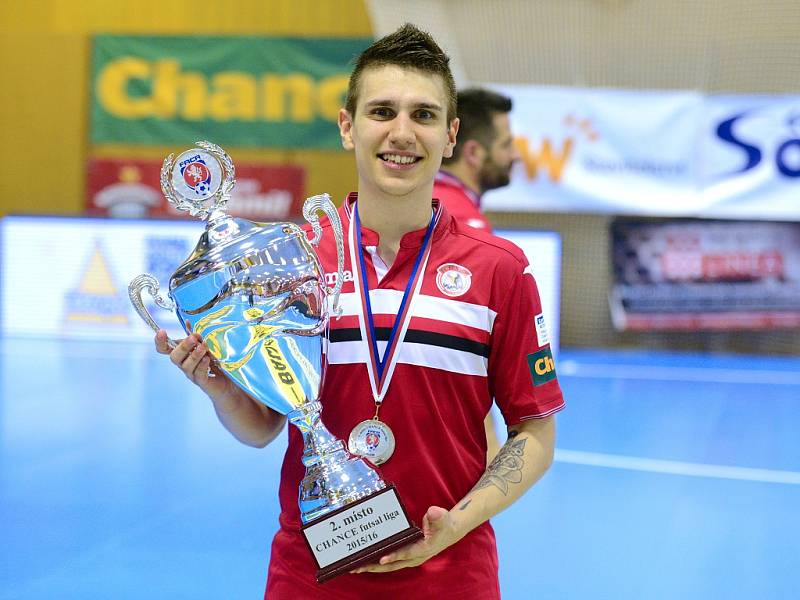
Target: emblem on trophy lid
x=196 y=174
x=199 y=181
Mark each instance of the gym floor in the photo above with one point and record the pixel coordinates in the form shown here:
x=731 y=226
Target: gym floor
x=677 y=476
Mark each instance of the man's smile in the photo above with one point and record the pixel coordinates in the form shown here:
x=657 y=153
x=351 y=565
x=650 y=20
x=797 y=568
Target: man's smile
x=399 y=161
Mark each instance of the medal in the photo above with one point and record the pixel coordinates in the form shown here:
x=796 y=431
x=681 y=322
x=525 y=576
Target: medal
x=373 y=439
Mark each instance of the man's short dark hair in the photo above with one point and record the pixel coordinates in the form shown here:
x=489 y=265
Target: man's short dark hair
x=409 y=48
x=476 y=110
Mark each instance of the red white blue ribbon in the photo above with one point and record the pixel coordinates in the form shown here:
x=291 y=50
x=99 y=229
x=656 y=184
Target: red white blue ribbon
x=381 y=369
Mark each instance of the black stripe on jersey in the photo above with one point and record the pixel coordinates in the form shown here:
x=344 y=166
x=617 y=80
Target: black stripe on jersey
x=415 y=336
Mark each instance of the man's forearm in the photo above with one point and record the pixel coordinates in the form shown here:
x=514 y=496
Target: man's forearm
x=523 y=459
x=249 y=421
x=520 y=463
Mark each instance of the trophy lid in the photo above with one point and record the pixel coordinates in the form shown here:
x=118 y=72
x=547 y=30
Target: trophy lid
x=236 y=251
x=234 y=244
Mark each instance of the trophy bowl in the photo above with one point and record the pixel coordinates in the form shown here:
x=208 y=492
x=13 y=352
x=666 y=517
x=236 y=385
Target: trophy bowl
x=256 y=294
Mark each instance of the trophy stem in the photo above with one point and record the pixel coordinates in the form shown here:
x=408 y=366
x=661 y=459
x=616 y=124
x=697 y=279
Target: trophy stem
x=333 y=478
x=318 y=442
x=216 y=216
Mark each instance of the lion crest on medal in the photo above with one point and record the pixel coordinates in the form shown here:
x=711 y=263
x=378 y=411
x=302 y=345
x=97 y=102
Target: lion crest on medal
x=372 y=439
x=453 y=280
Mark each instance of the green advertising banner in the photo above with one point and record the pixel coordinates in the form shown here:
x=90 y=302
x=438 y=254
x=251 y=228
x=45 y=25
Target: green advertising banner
x=234 y=91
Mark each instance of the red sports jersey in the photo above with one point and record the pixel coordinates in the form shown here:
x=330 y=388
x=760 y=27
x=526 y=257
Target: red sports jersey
x=462 y=203
x=471 y=338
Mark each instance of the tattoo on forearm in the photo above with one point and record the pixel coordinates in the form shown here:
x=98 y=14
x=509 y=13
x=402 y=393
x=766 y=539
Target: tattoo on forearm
x=465 y=505
x=506 y=467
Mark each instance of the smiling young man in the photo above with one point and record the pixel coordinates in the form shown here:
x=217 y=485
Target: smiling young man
x=469 y=334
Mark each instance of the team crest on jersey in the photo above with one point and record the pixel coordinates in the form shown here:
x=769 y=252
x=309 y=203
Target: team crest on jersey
x=453 y=280
x=196 y=175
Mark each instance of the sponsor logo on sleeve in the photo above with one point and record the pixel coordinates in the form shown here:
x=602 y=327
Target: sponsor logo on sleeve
x=542 y=367
x=541 y=330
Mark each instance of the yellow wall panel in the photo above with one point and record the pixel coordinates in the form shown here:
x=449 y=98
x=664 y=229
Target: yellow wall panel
x=17 y=16
x=276 y=17
x=44 y=58
x=43 y=122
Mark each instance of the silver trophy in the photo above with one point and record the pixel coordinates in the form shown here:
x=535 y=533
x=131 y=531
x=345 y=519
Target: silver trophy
x=256 y=294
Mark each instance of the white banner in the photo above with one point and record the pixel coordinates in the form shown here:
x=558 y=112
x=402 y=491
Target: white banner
x=69 y=277
x=752 y=157
x=652 y=153
x=543 y=251
x=65 y=277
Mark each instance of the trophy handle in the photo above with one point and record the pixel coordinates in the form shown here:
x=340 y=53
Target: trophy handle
x=323 y=202
x=147 y=282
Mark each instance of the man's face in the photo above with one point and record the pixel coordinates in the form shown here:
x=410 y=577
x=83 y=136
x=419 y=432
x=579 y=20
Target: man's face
x=495 y=171
x=400 y=131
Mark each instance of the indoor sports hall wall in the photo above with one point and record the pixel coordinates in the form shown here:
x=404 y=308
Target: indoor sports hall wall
x=45 y=54
x=714 y=47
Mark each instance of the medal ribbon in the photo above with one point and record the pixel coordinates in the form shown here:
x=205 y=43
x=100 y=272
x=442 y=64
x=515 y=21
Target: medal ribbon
x=382 y=370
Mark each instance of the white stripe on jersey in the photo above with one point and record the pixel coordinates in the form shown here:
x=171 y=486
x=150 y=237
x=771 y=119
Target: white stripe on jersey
x=387 y=302
x=421 y=355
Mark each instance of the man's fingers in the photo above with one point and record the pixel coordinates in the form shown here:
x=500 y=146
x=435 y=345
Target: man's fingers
x=183 y=349
x=162 y=345
x=201 y=371
x=410 y=552
x=188 y=354
x=191 y=364
x=434 y=521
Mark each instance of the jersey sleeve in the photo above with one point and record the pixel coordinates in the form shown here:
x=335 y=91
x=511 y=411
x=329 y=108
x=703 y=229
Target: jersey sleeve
x=522 y=373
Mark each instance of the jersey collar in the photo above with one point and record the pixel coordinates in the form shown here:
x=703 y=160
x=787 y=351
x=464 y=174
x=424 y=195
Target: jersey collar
x=412 y=239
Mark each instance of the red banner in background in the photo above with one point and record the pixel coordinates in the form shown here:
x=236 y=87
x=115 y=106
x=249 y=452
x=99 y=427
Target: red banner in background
x=705 y=275
x=131 y=188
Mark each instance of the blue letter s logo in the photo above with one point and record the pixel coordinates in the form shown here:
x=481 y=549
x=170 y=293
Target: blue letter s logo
x=725 y=133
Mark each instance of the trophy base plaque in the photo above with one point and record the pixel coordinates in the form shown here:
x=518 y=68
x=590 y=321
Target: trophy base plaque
x=359 y=533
